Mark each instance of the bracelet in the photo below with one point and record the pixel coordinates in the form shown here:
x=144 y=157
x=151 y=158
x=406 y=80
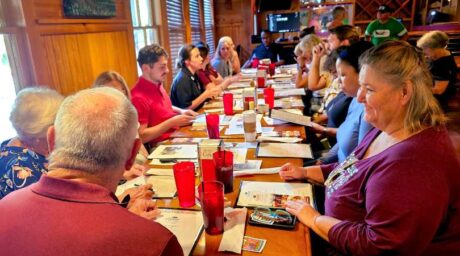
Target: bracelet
x=325 y=130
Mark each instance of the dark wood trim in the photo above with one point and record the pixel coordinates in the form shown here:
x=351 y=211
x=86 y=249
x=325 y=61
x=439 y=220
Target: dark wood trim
x=83 y=21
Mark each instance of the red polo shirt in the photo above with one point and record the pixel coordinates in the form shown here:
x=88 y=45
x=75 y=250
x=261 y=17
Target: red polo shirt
x=153 y=105
x=64 y=217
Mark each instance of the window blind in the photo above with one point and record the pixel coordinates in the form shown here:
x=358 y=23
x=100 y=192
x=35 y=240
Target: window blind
x=208 y=10
x=176 y=30
x=195 y=23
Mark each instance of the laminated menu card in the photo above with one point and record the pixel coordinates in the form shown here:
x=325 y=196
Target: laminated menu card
x=273 y=194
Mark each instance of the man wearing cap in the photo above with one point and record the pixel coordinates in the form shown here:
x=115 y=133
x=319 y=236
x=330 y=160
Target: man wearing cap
x=385 y=27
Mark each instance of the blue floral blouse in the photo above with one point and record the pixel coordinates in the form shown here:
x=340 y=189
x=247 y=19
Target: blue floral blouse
x=19 y=167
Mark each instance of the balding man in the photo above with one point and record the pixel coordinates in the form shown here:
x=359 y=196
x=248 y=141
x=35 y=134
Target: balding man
x=73 y=209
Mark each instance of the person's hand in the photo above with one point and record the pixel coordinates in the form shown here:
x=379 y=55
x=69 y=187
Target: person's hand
x=213 y=91
x=303 y=211
x=319 y=51
x=316 y=127
x=136 y=193
x=291 y=172
x=146 y=208
x=300 y=62
x=235 y=78
x=182 y=120
x=135 y=171
x=188 y=112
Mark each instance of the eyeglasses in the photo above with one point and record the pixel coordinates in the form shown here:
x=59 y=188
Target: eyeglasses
x=268 y=216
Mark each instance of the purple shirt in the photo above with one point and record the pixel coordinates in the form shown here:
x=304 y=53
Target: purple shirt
x=404 y=200
x=64 y=217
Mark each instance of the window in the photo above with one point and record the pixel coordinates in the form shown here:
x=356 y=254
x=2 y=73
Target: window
x=145 y=26
x=176 y=30
x=208 y=10
x=8 y=93
x=195 y=22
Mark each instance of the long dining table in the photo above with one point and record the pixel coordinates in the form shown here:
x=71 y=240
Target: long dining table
x=278 y=241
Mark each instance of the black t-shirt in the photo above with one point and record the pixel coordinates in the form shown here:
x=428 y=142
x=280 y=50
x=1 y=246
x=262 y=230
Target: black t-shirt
x=185 y=88
x=444 y=69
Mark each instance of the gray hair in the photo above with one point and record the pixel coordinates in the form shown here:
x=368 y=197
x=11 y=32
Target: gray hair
x=95 y=130
x=433 y=40
x=34 y=111
x=398 y=62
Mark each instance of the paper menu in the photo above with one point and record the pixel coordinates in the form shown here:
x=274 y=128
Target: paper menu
x=273 y=194
x=288 y=116
x=186 y=225
x=290 y=92
x=293 y=150
x=294 y=103
x=175 y=151
x=200 y=120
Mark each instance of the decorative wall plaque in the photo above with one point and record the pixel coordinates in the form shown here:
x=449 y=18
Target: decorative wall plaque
x=89 y=8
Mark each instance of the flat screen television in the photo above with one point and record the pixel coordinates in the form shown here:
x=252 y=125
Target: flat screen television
x=283 y=22
x=273 y=5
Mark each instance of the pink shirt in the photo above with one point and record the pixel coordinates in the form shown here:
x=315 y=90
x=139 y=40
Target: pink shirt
x=153 y=105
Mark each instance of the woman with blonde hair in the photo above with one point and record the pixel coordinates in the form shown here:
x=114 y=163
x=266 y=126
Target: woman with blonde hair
x=222 y=58
x=234 y=59
x=208 y=75
x=115 y=80
x=441 y=64
x=112 y=79
x=23 y=158
x=399 y=191
x=303 y=52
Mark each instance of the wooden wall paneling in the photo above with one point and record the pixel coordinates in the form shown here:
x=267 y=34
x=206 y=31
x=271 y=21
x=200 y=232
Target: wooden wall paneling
x=186 y=17
x=236 y=22
x=74 y=60
x=68 y=54
x=366 y=11
x=165 y=44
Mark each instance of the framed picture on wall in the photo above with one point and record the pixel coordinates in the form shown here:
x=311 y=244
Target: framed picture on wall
x=89 y=8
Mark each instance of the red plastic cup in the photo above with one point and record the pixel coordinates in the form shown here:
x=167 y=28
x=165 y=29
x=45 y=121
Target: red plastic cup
x=261 y=76
x=184 y=175
x=269 y=96
x=271 y=69
x=212 y=206
x=228 y=103
x=261 y=82
x=223 y=161
x=212 y=124
x=255 y=62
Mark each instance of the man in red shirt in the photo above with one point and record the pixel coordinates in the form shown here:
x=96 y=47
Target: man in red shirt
x=158 y=118
x=73 y=209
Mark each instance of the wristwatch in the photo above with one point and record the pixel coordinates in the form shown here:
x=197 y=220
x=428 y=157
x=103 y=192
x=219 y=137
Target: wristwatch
x=325 y=130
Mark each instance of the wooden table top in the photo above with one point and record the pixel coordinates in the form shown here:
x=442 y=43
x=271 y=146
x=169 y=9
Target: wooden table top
x=279 y=242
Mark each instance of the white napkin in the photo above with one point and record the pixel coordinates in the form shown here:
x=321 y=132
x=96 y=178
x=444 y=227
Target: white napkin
x=232 y=240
